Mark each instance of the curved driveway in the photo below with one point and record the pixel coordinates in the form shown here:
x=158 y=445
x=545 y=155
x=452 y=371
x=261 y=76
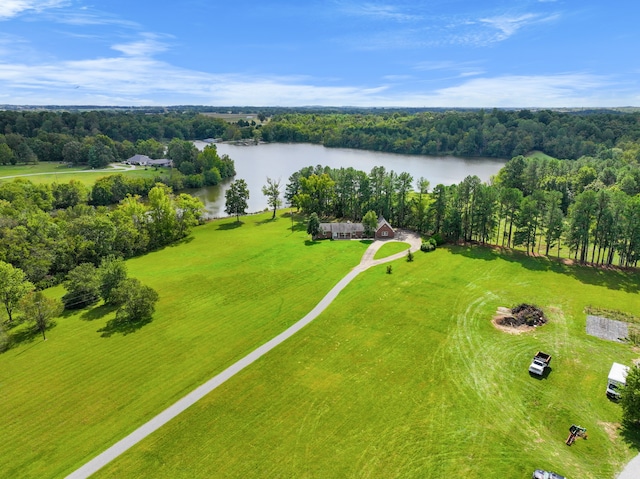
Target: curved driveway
x=172 y=411
x=632 y=470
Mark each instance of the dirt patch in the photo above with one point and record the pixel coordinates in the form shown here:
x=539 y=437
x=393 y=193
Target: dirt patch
x=510 y=329
x=520 y=319
x=610 y=428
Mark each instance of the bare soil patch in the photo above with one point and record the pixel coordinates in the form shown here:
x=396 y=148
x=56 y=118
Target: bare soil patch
x=611 y=428
x=520 y=319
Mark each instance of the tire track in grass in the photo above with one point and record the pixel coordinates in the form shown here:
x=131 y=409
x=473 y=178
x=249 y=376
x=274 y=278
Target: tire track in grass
x=483 y=372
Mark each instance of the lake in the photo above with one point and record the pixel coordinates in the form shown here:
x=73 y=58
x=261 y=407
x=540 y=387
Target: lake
x=280 y=160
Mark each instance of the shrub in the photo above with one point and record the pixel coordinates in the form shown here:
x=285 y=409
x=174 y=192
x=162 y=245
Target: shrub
x=427 y=246
x=630 y=397
x=634 y=335
x=437 y=239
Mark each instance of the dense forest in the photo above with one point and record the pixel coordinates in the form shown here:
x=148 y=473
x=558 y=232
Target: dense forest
x=27 y=136
x=46 y=231
x=590 y=207
x=499 y=133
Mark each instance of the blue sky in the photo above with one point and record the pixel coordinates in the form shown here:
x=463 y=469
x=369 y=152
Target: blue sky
x=437 y=53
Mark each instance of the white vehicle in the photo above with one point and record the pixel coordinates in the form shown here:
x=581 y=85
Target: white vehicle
x=617 y=378
x=540 y=362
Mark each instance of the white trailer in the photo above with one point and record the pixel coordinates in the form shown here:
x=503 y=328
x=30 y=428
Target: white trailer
x=617 y=378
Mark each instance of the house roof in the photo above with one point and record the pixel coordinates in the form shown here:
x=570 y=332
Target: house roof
x=138 y=159
x=382 y=222
x=342 y=227
x=160 y=161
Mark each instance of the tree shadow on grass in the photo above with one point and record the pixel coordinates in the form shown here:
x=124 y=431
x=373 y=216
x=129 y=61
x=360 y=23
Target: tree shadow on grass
x=311 y=242
x=124 y=327
x=612 y=278
x=26 y=335
x=631 y=434
x=230 y=226
x=366 y=241
x=298 y=223
x=267 y=221
x=73 y=311
x=98 y=312
x=182 y=241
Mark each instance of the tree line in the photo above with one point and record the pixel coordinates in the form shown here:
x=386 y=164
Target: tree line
x=497 y=133
x=46 y=231
x=590 y=206
x=98 y=136
x=86 y=284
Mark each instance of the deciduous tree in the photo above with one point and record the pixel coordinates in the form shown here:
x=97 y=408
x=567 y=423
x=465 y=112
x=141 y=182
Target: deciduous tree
x=272 y=191
x=6 y=154
x=82 y=285
x=13 y=287
x=40 y=310
x=163 y=225
x=189 y=211
x=370 y=223
x=236 y=199
x=136 y=301
x=113 y=271
x=630 y=396
x=313 y=225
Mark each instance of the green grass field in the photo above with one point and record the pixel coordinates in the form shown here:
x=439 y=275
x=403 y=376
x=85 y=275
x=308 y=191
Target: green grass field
x=403 y=375
x=539 y=155
x=389 y=249
x=46 y=172
x=222 y=294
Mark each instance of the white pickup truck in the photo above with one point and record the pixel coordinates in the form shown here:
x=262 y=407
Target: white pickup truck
x=540 y=362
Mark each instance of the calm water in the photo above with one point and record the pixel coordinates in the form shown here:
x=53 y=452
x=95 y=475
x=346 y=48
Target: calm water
x=281 y=160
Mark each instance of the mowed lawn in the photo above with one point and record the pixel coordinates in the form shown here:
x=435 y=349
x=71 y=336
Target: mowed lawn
x=404 y=376
x=224 y=292
x=389 y=249
x=47 y=172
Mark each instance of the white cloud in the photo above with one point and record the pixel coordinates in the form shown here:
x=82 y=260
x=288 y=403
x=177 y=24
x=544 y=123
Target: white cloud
x=379 y=11
x=471 y=73
x=507 y=25
x=135 y=80
x=432 y=32
x=147 y=46
x=11 y=8
x=87 y=17
x=460 y=69
x=135 y=77
x=396 y=78
x=568 y=89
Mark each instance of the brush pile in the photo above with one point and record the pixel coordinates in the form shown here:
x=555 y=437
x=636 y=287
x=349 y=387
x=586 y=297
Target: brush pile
x=521 y=315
